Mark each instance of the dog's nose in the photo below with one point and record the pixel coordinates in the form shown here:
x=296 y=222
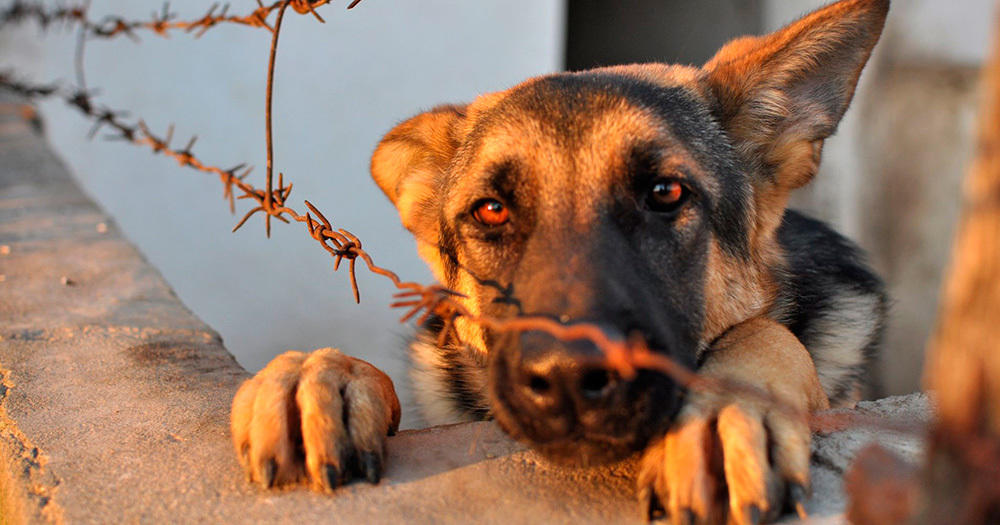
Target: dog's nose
x=563 y=399
x=551 y=383
x=562 y=387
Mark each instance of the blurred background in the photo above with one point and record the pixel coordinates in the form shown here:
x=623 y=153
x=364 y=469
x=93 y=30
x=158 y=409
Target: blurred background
x=891 y=177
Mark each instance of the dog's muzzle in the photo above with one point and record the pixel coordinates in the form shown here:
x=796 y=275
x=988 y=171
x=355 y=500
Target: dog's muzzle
x=564 y=401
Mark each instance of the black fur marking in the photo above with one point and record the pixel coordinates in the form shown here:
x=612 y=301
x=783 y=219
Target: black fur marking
x=504 y=180
x=448 y=248
x=465 y=396
x=460 y=364
x=822 y=266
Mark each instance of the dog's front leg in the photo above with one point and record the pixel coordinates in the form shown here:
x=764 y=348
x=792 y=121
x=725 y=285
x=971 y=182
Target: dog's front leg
x=730 y=456
x=322 y=416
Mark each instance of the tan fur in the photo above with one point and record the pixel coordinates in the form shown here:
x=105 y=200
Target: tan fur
x=321 y=411
x=271 y=426
x=410 y=161
x=469 y=332
x=736 y=291
x=297 y=401
x=680 y=472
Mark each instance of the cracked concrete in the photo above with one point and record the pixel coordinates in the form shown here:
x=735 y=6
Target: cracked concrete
x=114 y=399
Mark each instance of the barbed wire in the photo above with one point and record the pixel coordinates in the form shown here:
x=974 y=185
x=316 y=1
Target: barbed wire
x=160 y=23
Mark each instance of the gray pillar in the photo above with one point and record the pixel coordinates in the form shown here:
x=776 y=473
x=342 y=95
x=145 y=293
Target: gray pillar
x=601 y=33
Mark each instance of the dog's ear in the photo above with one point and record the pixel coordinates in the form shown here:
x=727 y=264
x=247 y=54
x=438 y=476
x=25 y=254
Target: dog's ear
x=779 y=96
x=410 y=163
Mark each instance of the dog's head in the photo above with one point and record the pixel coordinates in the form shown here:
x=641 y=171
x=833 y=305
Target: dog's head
x=641 y=198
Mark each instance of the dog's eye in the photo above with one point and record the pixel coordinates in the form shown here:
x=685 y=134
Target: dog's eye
x=667 y=195
x=491 y=212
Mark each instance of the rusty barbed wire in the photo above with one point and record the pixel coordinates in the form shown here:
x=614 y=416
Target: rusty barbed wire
x=160 y=23
x=625 y=356
x=78 y=56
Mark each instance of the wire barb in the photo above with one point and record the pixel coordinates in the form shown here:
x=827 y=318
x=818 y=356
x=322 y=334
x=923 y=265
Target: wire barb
x=160 y=24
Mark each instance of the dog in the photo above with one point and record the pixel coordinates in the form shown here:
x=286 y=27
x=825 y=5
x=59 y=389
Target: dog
x=646 y=199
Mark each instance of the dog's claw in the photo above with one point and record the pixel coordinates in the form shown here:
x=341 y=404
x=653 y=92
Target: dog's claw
x=753 y=514
x=268 y=473
x=331 y=477
x=798 y=495
x=371 y=465
x=683 y=517
x=649 y=505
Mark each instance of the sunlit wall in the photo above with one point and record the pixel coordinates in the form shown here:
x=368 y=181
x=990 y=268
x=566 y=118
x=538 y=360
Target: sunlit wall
x=341 y=85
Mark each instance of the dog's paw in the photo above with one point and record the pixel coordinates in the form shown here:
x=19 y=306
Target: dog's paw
x=726 y=461
x=739 y=458
x=321 y=417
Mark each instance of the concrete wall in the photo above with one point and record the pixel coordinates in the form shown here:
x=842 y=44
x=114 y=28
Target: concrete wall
x=341 y=86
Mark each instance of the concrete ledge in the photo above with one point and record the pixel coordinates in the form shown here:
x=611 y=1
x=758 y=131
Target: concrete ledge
x=114 y=398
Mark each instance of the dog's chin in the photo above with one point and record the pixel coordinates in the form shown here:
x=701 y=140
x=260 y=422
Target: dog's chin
x=576 y=450
x=583 y=452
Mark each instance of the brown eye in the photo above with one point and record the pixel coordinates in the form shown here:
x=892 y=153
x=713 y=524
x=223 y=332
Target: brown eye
x=491 y=212
x=667 y=195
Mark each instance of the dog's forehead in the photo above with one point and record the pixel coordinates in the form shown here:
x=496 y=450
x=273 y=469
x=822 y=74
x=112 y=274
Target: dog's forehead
x=574 y=134
x=594 y=121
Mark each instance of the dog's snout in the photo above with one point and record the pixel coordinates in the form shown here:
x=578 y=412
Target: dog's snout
x=560 y=380
x=565 y=399
x=562 y=389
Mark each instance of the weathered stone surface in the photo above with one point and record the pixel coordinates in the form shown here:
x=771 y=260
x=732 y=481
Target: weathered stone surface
x=114 y=401
x=834 y=452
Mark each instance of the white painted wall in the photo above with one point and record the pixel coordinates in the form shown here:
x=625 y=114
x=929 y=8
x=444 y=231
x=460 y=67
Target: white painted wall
x=340 y=87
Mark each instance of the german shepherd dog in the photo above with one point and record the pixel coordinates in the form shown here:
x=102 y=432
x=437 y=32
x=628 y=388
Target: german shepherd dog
x=647 y=199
